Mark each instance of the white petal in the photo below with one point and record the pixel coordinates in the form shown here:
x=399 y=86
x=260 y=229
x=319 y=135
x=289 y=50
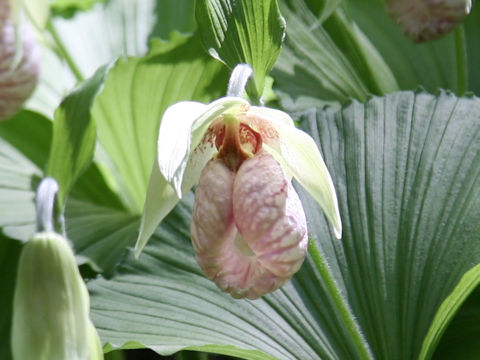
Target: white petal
x=181 y=131
x=299 y=156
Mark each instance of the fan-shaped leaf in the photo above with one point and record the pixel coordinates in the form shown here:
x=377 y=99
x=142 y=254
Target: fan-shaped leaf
x=327 y=62
x=407 y=171
x=448 y=308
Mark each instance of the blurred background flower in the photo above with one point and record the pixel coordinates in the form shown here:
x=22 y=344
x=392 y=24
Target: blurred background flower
x=423 y=20
x=19 y=62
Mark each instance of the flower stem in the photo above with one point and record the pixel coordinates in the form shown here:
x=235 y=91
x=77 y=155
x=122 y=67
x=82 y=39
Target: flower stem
x=46 y=204
x=238 y=80
x=344 y=312
x=461 y=59
x=63 y=51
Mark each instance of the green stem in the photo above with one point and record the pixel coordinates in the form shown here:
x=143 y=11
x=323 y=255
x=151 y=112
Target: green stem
x=344 y=312
x=46 y=192
x=461 y=57
x=63 y=51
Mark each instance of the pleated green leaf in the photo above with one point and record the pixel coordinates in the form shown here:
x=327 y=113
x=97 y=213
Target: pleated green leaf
x=100 y=234
x=237 y=32
x=137 y=92
x=92 y=38
x=327 y=61
x=448 y=308
x=74 y=134
x=360 y=50
x=23 y=155
x=106 y=32
x=461 y=338
x=406 y=170
x=162 y=301
x=55 y=80
x=24 y=145
x=174 y=16
x=321 y=8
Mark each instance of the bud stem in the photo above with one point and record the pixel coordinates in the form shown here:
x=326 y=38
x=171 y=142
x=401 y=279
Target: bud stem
x=66 y=56
x=45 y=204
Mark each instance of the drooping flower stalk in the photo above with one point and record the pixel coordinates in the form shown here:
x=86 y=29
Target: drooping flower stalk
x=19 y=65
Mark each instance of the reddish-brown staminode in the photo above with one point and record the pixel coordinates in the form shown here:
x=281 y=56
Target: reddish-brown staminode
x=235 y=141
x=18 y=72
x=248 y=226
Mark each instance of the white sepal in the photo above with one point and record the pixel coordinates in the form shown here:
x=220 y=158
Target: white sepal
x=161 y=197
x=160 y=200
x=181 y=131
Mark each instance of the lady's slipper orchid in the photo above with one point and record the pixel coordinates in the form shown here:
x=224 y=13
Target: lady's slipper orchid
x=19 y=62
x=424 y=20
x=248 y=227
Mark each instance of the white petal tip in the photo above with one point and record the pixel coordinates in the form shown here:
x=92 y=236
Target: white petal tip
x=140 y=244
x=177 y=186
x=178 y=192
x=137 y=251
x=338 y=232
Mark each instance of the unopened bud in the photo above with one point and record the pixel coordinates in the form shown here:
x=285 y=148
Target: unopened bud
x=51 y=304
x=248 y=227
x=423 y=20
x=19 y=70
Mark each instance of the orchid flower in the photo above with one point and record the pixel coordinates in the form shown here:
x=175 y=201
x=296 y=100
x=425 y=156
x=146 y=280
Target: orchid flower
x=248 y=227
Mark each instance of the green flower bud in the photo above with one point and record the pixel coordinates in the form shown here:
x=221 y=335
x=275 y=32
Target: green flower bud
x=51 y=304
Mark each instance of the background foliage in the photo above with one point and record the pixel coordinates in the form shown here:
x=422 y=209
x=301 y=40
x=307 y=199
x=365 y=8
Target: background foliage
x=404 y=161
